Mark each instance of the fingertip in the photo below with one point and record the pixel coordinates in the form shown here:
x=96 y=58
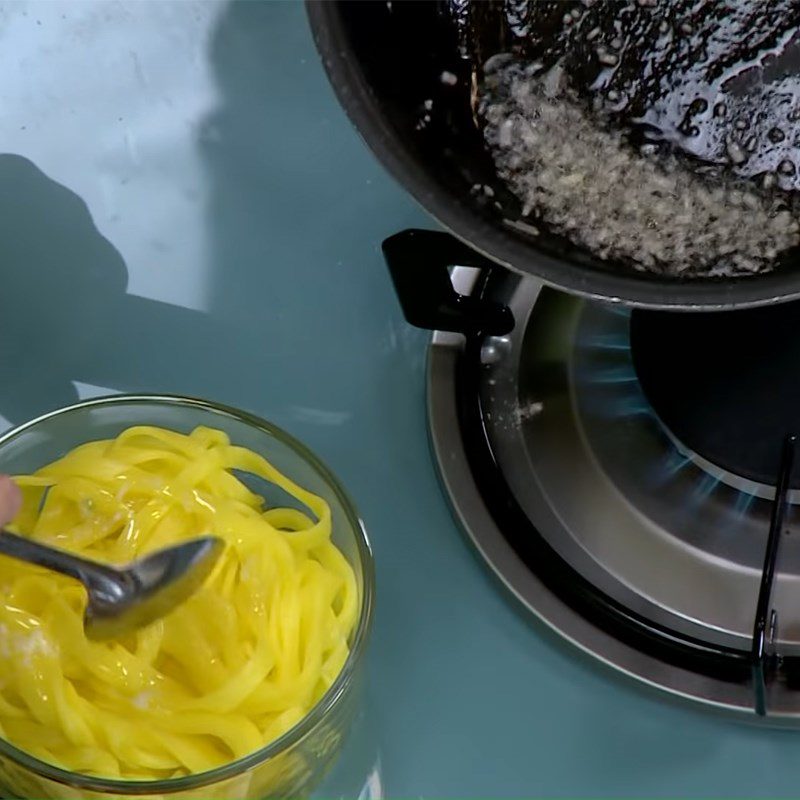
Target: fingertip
x=10 y=499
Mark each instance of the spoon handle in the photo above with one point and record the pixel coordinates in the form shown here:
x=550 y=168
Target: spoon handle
x=89 y=573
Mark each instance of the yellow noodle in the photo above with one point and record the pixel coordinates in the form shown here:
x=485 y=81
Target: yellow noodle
x=232 y=669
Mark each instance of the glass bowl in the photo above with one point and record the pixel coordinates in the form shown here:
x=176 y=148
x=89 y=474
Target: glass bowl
x=290 y=766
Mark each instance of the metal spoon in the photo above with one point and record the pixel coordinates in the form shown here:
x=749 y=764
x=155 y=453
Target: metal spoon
x=121 y=599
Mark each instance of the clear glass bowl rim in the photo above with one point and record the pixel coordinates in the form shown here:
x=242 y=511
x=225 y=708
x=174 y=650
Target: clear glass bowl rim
x=330 y=699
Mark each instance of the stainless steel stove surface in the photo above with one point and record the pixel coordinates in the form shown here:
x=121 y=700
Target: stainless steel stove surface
x=182 y=172
x=670 y=547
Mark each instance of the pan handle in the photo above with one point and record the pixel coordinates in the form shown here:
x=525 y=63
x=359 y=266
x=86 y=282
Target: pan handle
x=419 y=263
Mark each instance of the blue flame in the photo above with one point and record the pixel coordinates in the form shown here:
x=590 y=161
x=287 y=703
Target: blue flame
x=608 y=341
x=620 y=374
x=674 y=463
x=704 y=488
x=744 y=501
x=632 y=405
x=618 y=395
x=618 y=310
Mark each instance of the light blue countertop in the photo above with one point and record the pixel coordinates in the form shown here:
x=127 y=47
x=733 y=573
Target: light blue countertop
x=179 y=176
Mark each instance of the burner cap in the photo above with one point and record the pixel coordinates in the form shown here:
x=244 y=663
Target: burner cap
x=725 y=384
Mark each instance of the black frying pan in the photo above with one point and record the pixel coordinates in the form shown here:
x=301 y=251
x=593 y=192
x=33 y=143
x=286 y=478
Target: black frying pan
x=385 y=59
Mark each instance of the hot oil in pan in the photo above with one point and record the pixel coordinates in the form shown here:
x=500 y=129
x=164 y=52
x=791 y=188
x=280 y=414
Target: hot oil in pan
x=719 y=81
x=702 y=89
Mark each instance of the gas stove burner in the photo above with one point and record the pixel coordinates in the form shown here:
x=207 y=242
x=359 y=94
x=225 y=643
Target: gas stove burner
x=572 y=470
x=614 y=353
x=726 y=385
